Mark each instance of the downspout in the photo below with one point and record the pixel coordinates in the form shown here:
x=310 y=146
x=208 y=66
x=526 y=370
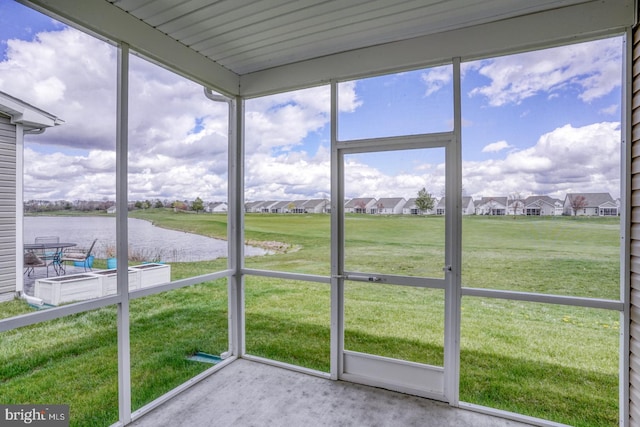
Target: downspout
x=216 y=97
x=20 y=132
x=19 y=214
x=37 y=131
x=235 y=226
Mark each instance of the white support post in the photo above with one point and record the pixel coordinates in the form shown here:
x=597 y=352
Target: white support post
x=337 y=243
x=453 y=227
x=235 y=228
x=122 y=238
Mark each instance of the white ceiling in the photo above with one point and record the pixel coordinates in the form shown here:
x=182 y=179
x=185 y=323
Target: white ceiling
x=245 y=36
x=250 y=47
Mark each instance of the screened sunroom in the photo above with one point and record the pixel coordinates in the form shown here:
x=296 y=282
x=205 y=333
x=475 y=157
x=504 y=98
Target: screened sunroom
x=307 y=126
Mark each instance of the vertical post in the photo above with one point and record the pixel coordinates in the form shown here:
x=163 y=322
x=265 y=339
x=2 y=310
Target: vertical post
x=19 y=177
x=337 y=243
x=235 y=227
x=122 y=238
x=625 y=227
x=453 y=227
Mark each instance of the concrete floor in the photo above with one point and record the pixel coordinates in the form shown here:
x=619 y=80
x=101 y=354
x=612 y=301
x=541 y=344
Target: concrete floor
x=247 y=393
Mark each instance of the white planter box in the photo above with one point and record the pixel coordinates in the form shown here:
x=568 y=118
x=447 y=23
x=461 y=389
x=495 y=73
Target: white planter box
x=75 y=287
x=109 y=283
x=153 y=274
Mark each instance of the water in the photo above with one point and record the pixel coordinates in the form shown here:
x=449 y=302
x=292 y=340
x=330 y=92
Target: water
x=144 y=238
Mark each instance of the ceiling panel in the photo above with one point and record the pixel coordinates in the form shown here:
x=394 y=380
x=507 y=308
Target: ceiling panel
x=246 y=36
x=251 y=19
x=328 y=23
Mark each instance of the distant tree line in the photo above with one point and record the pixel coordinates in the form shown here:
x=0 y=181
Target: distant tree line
x=39 y=206
x=35 y=206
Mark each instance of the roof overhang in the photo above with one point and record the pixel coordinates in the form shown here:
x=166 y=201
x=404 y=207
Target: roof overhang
x=227 y=53
x=30 y=117
x=523 y=33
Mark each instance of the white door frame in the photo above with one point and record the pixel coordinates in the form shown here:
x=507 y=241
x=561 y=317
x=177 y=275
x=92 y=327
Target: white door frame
x=434 y=382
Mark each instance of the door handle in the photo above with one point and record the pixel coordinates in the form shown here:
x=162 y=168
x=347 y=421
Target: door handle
x=363 y=278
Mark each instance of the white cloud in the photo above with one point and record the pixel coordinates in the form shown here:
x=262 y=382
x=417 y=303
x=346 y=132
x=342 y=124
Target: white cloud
x=567 y=159
x=610 y=110
x=347 y=97
x=495 y=147
x=288 y=175
x=593 y=68
x=436 y=78
x=71 y=75
x=177 y=137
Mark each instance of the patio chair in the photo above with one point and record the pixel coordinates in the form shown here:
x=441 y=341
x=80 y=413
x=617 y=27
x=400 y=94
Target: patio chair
x=31 y=261
x=82 y=256
x=48 y=256
x=42 y=253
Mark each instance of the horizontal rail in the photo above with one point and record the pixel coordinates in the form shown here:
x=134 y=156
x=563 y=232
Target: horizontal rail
x=96 y=303
x=152 y=290
x=544 y=298
x=296 y=368
x=287 y=276
x=417 y=282
x=510 y=415
x=179 y=389
x=93 y=304
x=57 y=312
x=429 y=140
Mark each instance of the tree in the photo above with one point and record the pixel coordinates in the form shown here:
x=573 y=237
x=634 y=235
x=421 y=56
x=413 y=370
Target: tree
x=197 y=205
x=516 y=204
x=577 y=202
x=425 y=201
x=178 y=205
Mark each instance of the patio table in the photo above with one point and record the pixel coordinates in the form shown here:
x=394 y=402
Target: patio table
x=56 y=248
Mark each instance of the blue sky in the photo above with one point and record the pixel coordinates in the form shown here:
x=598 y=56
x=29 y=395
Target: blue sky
x=396 y=105
x=16 y=21
x=545 y=122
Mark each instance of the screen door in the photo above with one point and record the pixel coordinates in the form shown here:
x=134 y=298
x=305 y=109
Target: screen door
x=395 y=277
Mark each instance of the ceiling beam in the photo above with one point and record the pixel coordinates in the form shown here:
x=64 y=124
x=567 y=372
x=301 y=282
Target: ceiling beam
x=112 y=23
x=533 y=31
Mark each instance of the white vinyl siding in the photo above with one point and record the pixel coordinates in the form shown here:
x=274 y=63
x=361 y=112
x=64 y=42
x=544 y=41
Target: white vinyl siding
x=634 y=344
x=7 y=207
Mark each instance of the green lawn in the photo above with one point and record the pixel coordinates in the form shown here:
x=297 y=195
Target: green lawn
x=554 y=362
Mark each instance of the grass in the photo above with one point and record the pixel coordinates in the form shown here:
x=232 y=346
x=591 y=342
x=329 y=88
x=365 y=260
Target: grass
x=547 y=361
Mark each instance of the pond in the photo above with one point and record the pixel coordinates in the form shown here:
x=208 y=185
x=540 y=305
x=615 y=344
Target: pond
x=144 y=238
